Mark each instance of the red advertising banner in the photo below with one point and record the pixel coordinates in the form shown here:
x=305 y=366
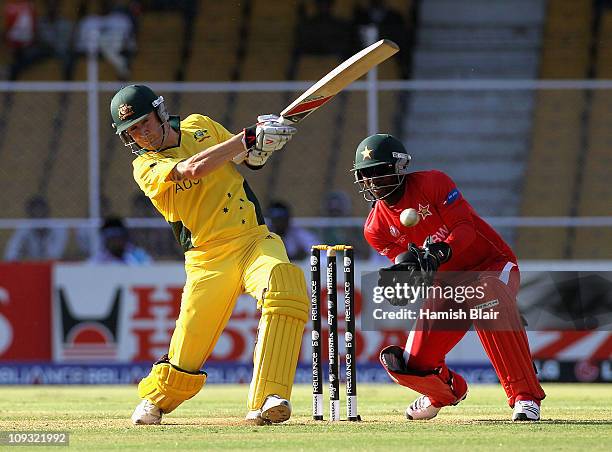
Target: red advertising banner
x=25 y=311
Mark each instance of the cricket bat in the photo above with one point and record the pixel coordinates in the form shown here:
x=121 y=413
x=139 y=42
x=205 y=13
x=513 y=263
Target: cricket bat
x=339 y=78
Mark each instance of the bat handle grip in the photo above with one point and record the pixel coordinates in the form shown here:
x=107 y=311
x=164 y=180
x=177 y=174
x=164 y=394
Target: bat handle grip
x=284 y=121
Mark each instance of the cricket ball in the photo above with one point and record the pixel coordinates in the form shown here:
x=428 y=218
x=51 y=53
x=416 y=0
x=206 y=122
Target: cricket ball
x=409 y=217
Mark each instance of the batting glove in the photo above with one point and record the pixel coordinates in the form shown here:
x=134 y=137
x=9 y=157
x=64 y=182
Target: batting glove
x=262 y=139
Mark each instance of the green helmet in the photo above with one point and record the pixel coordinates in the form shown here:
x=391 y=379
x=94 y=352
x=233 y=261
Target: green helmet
x=130 y=105
x=379 y=149
x=377 y=157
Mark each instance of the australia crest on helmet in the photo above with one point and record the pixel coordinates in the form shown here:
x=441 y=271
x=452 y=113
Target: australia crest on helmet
x=124 y=111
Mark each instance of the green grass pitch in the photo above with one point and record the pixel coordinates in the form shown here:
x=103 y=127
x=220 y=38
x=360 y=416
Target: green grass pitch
x=574 y=417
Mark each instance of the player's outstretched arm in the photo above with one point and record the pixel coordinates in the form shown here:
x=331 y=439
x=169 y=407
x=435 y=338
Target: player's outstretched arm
x=253 y=145
x=207 y=161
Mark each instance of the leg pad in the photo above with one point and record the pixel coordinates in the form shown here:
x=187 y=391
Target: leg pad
x=507 y=347
x=167 y=387
x=285 y=308
x=442 y=386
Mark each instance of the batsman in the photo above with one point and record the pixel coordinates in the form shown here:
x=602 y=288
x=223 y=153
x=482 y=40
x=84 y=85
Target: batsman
x=455 y=239
x=187 y=168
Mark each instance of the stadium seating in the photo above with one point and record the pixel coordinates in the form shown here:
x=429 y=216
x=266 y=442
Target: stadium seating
x=595 y=191
x=567 y=38
x=158 y=58
x=24 y=148
x=480 y=138
x=214 y=44
x=550 y=177
x=264 y=61
x=527 y=153
x=68 y=177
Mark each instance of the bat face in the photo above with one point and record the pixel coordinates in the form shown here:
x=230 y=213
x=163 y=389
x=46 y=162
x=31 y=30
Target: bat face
x=339 y=78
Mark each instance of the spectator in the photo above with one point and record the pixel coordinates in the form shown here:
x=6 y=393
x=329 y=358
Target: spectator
x=19 y=23
x=111 y=33
x=337 y=204
x=159 y=242
x=322 y=33
x=388 y=23
x=55 y=37
x=19 y=33
x=33 y=243
x=116 y=246
x=297 y=240
x=83 y=235
x=32 y=40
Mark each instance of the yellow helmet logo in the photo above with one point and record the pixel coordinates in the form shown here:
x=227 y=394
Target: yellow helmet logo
x=367 y=153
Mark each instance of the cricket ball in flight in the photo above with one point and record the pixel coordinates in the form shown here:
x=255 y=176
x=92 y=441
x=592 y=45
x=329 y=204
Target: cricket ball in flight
x=409 y=217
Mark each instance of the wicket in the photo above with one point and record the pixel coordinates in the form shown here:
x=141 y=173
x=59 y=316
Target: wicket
x=332 y=321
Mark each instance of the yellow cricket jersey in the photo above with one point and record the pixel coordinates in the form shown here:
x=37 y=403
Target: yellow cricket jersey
x=215 y=208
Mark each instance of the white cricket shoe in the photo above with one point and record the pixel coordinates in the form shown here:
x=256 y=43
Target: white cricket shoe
x=526 y=410
x=422 y=410
x=146 y=413
x=274 y=410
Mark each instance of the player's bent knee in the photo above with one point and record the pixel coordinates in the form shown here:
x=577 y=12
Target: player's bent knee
x=286 y=293
x=442 y=388
x=167 y=386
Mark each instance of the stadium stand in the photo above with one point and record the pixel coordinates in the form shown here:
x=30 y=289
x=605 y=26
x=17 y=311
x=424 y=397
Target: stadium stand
x=594 y=191
x=262 y=62
x=68 y=176
x=480 y=138
x=329 y=148
x=557 y=137
x=513 y=153
x=24 y=148
x=214 y=45
x=160 y=58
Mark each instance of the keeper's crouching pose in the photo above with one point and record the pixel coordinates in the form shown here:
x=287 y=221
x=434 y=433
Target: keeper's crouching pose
x=188 y=170
x=455 y=239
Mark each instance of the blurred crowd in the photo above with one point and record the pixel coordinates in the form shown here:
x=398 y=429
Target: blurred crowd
x=35 y=32
x=118 y=243
x=109 y=28
x=32 y=36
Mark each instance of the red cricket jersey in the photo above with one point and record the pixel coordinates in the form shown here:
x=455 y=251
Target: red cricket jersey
x=445 y=215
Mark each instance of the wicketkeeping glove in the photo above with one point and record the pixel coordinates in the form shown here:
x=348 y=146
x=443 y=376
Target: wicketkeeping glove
x=415 y=267
x=428 y=258
x=262 y=139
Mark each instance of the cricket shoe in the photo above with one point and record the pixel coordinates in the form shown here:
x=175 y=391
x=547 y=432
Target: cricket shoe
x=146 y=413
x=422 y=409
x=274 y=411
x=526 y=410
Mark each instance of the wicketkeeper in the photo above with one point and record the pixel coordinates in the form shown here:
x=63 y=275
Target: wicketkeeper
x=459 y=241
x=188 y=170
